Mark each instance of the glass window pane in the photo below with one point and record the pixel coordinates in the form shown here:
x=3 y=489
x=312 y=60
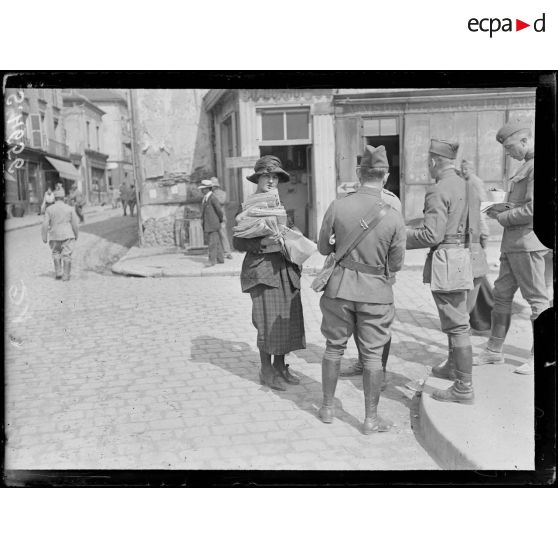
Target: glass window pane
x=272 y=126
x=388 y=127
x=297 y=125
x=371 y=127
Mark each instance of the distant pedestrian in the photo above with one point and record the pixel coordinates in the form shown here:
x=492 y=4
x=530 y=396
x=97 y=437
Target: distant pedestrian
x=522 y=257
x=223 y=235
x=358 y=298
x=77 y=201
x=60 y=227
x=59 y=188
x=273 y=283
x=451 y=225
x=114 y=197
x=211 y=217
x=48 y=199
x=132 y=199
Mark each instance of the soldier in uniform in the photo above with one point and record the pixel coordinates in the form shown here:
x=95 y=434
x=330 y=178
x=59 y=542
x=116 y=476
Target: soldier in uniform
x=356 y=370
x=451 y=220
x=522 y=257
x=358 y=298
x=60 y=227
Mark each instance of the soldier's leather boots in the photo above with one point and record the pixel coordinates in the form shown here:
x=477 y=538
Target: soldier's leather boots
x=67 y=270
x=330 y=374
x=57 y=268
x=493 y=352
x=461 y=391
x=372 y=383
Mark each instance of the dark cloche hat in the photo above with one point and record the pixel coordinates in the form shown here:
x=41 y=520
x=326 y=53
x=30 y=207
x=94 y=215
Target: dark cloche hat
x=447 y=149
x=373 y=158
x=267 y=164
x=510 y=128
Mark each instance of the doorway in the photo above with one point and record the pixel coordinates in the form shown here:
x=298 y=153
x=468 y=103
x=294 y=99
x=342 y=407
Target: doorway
x=295 y=194
x=391 y=143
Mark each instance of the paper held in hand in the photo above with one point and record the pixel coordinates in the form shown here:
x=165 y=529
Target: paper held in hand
x=299 y=248
x=498 y=207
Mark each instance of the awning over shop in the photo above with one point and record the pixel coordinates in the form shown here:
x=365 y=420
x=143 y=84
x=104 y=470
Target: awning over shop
x=65 y=169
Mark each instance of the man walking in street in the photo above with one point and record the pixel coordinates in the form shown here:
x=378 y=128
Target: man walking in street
x=60 y=227
x=522 y=257
x=451 y=223
x=212 y=217
x=358 y=298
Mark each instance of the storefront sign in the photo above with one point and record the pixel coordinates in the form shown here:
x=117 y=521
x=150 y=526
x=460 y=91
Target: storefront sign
x=240 y=162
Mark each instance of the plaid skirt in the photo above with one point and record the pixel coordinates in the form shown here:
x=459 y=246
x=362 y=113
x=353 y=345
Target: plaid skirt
x=277 y=315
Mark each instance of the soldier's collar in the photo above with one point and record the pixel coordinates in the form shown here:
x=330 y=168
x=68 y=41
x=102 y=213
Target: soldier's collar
x=370 y=190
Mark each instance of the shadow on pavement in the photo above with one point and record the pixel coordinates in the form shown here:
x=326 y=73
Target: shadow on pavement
x=307 y=396
x=113 y=230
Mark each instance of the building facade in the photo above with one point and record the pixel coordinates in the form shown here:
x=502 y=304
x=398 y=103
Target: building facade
x=116 y=134
x=84 y=127
x=39 y=154
x=319 y=133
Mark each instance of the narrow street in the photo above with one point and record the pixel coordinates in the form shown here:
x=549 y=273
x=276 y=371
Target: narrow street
x=119 y=372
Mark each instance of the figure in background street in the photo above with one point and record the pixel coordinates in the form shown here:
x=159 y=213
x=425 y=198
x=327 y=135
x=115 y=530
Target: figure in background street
x=358 y=298
x=60 y=189
x=211 y=217
x=480 y=300
x=451 y=226
x=221 y=196
x=60 y=227
x=128 y=198
x=48 y=199
x=114 y=196
x=273 y=283
x=76 y=200
x=522 y=254
x=132 y=199
x=356 y=370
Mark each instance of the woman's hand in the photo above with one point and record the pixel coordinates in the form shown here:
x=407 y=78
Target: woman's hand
x=270 y=241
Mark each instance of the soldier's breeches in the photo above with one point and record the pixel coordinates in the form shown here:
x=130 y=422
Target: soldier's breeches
x=452 y=309
x=370 y=324
x=62 y=248
x=526 y=271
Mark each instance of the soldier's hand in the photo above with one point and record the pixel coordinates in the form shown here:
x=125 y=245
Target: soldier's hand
x=269 y=241
x=391 y=280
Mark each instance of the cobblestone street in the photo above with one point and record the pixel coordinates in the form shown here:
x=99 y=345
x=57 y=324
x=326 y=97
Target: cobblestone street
x=119 y=372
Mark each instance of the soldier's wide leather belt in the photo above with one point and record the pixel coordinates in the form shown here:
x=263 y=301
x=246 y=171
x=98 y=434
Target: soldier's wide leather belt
x=362 y=267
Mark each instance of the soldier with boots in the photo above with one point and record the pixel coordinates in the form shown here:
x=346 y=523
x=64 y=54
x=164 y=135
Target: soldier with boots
x=451 y=222
x=358 y=298
x=522 y=257
x=60 y=227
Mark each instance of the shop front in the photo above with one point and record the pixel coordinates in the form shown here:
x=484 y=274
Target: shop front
x=404 y=121
x=295 y=125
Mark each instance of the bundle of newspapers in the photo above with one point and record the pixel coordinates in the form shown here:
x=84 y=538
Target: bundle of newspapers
x=262 y=215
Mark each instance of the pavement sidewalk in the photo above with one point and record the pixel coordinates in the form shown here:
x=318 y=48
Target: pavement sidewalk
x=492 y=434
x=16 y=223
x=176 y=262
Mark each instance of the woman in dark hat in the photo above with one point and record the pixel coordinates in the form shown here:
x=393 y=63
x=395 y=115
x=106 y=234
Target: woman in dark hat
x=273 y=282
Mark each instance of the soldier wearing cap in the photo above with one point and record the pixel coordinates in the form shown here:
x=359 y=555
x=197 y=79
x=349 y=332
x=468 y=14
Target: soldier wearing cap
x=211 y=217
x=522 y=257
x=451 y=220
x=356 y=370
x=60 y=227
x=358 y=298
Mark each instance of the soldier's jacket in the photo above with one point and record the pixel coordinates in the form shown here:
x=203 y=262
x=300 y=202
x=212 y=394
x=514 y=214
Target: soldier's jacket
x=60 y=222
x=383 y=247
x=444 y=206
x=518 y=222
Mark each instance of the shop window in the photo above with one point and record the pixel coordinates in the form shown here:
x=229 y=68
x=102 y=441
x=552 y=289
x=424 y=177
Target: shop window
x=380 y=127
x=285 y=126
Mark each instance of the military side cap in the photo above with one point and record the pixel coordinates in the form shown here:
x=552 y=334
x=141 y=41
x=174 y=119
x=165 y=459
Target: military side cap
x=268 y=164
x=510 y=128
x=447 y=149
x=374 y=158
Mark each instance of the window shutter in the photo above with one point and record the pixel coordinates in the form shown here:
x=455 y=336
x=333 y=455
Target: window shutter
x=36 y=136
